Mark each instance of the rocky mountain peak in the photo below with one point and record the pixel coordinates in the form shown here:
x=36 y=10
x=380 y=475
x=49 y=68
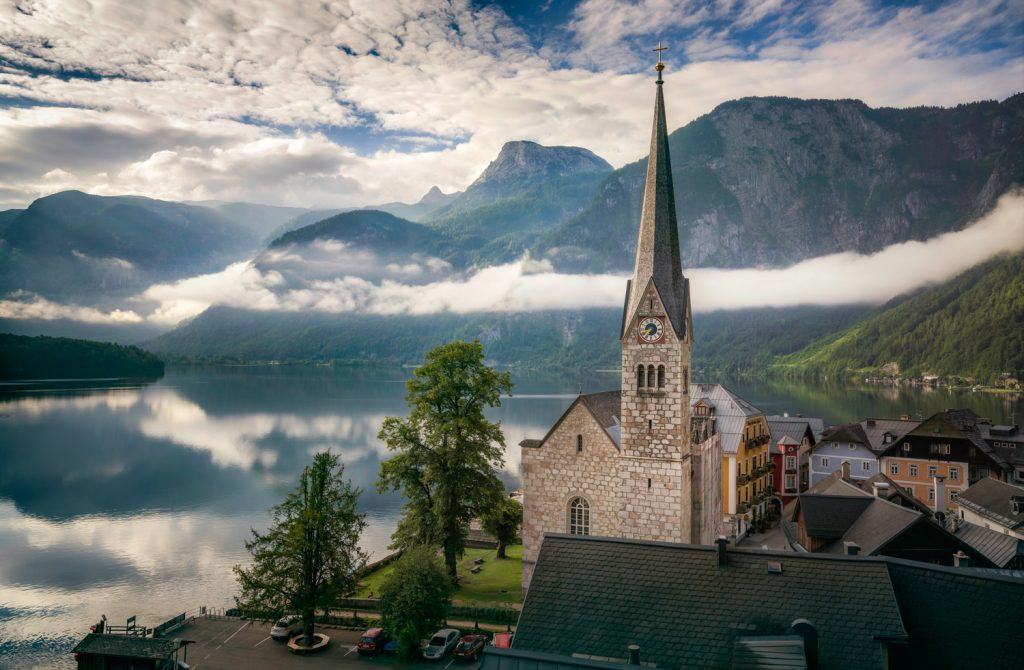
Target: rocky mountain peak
x=522 y=159
x=435 y=196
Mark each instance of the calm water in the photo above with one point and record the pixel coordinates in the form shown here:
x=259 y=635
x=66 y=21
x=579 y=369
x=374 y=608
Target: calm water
x=136 y=500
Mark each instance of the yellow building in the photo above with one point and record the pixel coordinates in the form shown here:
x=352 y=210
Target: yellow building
x=746 y=458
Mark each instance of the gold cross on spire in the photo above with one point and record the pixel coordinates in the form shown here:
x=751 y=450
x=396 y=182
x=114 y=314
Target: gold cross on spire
x=660 y=66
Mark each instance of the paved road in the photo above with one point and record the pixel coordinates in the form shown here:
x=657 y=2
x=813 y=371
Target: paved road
x=229 y=644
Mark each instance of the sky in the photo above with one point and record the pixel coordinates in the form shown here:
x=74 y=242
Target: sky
x=330 y=103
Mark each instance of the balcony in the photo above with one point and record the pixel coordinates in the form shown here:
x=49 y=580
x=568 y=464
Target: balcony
x=741 y=508
x=759 y=472
x=771 y=466
x=743 y=480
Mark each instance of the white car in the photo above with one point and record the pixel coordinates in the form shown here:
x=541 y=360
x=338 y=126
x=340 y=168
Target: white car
x=441 y=643
x=286 y=627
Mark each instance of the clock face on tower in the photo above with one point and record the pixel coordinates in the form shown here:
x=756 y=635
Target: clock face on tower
x=650 y=330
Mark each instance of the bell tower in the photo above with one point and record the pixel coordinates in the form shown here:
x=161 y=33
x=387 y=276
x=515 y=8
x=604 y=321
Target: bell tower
x=656 y=335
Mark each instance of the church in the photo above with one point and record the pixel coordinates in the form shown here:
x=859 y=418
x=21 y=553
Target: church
x=620 y=463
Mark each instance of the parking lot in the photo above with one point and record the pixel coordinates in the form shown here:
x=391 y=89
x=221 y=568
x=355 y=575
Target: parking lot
x=229 y=644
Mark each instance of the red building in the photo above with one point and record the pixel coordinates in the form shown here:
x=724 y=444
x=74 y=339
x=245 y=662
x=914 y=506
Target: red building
x=790 y=437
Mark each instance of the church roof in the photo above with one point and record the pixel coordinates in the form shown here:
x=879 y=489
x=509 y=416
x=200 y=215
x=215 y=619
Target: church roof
x=657 y=246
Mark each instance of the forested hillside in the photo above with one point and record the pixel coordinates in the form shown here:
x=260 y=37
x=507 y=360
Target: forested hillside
x=972 y=325
x=64 y=358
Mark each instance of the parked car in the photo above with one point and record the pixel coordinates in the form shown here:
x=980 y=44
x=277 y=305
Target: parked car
x=470 y=647
x=440 y=644
x=391 y=647
x=373 y=641
x=286 y=627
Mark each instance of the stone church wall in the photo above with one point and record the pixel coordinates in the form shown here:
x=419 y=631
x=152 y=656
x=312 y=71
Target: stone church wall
x=555 y=473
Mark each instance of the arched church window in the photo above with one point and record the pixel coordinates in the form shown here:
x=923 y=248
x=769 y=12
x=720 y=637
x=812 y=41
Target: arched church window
x=651 y=380
x=661 y=376
x=579 y=444
x=639 y=376
x=579 y=516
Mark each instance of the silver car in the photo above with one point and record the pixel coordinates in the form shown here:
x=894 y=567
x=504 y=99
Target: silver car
x=286 y=627
x=441 y=642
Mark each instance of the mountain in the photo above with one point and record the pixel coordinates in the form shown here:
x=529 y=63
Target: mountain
x=371 y=230
x=735 y=342
x=431 y=201
x=526 y=190
x=972 y=326
x=263 y=220
x=773 y=181
x=75 y=244
x=64 y=358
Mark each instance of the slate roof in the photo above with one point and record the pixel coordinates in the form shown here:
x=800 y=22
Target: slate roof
x=957 y=617
x=896 y=493
x=851 y=432
x=791 y=428
x=658 y=259
x=997 y=547
x=595 y=596
x=880 y=523
x=731 y=413
x=991 y=498
x=127 y=647
x=875 y=430
x=828 y=517
x=952 y=424
x=604 y=406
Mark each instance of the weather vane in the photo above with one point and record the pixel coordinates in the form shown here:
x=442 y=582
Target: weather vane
x=661 y=65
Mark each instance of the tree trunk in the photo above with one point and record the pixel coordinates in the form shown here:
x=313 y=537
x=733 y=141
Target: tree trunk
x=307 y=628
x=451 y=562
x=501 y=549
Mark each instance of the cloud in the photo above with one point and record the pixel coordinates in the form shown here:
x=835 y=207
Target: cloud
x=340 y=104
x=22 y=305
x=533 y=285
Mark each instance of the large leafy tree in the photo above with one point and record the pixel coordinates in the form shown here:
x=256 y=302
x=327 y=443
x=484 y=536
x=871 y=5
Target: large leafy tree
x=446 y=452
x=503 y=521
x=309 y=555
x=414 y=598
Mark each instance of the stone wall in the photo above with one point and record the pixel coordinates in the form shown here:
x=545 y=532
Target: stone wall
x=555 y=473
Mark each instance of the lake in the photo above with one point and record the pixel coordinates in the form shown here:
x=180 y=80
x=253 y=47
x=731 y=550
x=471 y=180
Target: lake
x=136 y=499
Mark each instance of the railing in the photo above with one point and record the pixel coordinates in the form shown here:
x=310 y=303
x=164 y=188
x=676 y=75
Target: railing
x=743 y=480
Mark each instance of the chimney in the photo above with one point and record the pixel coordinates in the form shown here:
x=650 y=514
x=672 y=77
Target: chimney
x=881 y=490
x=634 y=654
x=939 y=483
x=846 y=469
x=807 y=631
x=961 y=560
x=721 y=542
x=1017 y=504
x=852 y=548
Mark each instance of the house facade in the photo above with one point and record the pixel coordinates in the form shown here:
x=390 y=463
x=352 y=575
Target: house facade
x=791 y=439
x=842 y=444
x=746 y=465
x=937 y=460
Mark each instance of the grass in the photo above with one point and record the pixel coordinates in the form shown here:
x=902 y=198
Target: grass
x=498 y=582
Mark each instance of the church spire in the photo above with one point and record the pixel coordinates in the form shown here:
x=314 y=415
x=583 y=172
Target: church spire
x=657 y=247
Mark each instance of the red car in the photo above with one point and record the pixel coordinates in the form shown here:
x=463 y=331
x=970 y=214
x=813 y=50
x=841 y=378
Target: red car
x=470 y=647
x=373 y=641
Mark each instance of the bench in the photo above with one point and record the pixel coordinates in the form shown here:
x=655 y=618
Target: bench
x=477 y=569
x=478 y=561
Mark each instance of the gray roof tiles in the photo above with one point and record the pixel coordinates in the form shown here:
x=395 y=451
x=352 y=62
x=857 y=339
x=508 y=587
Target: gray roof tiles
x=994 y=545
x=597 y=595
x=127 y=647
x=992 y=499
x=875 y=430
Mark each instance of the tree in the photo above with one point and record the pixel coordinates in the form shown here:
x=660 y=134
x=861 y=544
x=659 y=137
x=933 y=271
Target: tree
x=414 y=598
x=503 y=521
x=447 y=451
x=310 y=554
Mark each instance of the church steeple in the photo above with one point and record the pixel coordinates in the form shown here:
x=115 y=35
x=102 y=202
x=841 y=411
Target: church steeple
x=657 y=248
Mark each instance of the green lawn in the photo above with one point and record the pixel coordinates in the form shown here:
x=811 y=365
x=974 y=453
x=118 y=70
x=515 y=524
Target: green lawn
x=499 y=581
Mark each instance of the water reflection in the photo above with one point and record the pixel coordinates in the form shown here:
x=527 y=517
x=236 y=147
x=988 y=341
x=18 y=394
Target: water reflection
x=124 y=501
